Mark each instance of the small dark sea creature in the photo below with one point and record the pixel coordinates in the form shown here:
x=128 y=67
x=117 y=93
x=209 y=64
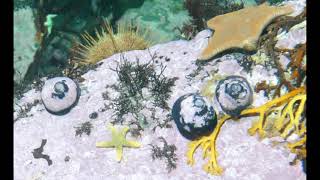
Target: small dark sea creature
x=37 y=153
x=93 y=115
x=84 y=128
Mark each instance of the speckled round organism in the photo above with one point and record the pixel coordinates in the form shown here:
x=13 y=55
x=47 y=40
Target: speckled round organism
x=234 y=94
x=193 y=116
x=59 y=95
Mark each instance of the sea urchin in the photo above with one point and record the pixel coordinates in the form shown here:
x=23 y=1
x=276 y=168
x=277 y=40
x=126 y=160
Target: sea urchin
x=107 y=43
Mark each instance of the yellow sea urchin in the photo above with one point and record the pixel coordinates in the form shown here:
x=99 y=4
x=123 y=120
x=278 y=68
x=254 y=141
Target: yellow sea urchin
x=107 y=43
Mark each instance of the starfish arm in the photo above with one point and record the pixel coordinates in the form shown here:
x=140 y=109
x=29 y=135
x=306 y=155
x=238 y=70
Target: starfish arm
x=119 y=151
x=104 y=144
x=133 y=144
x=124 y=131
x=113 y=130
x=211 y=50
x=219 y=42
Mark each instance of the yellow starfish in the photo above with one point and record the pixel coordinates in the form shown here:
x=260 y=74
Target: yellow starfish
x=118 y=141
x=240 y=29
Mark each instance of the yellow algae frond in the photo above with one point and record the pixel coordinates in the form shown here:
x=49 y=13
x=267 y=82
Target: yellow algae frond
x=290 y=99
x=208 y=144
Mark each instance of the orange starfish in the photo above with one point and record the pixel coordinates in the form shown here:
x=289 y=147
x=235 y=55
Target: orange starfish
x=240 y=29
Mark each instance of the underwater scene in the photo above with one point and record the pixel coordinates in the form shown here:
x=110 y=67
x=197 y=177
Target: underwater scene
x=160 y=89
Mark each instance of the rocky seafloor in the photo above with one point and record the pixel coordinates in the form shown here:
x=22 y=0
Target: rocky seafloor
x=77 y=157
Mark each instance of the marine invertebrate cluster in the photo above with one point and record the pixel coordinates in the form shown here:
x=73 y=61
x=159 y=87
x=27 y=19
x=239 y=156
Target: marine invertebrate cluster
x=295 y=74
x=282 y=116
x=229 y=33
x=118 y=141
x=107 y=42
x=290 y=108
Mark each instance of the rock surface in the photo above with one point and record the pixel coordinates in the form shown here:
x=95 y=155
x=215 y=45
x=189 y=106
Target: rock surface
x=242 y=156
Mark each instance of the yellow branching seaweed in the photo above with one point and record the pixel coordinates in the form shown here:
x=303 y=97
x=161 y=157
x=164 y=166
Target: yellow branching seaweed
x=209 y=149
x=264 y=110
x=289 y=118
x=298 y=148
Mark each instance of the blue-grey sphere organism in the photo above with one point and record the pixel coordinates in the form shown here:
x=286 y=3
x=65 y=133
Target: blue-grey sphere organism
x=59 y=95
x=193 y=116
x=234 y=94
